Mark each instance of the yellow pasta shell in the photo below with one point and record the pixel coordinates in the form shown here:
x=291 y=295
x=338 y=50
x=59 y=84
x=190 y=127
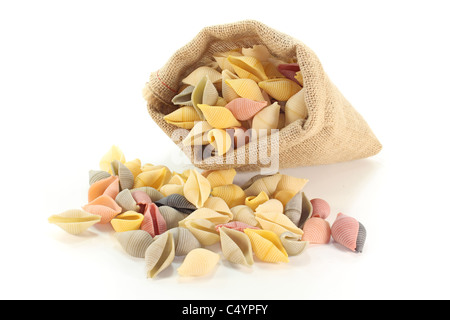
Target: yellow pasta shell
x=277 y=222
x=198 y=134
x=198 y=262
x=113 y=154
x=246 y=88
x=127 y=221
x=221 y=177
x=154 y=176
x=267 y=246
x=220 y=140
x=231 y=193
x=248 y=67
x=184 y=117
x=295 y=108
x=196 y=189
x=206 y=214
x=244 y=214
x=254 y=201
x=204 y=230
x=280 y=89
x=218 y=117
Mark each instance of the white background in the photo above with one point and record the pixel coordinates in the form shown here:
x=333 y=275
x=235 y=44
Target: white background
x=71 y=74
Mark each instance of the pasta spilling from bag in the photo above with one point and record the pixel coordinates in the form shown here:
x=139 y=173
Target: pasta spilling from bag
x=158 y=214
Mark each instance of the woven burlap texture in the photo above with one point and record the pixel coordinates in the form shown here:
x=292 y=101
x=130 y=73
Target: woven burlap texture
x=333 y=132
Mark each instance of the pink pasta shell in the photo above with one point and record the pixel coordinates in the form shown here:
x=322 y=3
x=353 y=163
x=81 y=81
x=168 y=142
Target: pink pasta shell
x=105 y=207
x=348 y=232
x=153 y=222
x=321 y=208
x=316 y=231
x=108 y=187
x=244 y=109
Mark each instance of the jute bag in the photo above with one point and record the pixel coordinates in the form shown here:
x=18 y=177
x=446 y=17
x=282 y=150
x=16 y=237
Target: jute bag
x=333 y=132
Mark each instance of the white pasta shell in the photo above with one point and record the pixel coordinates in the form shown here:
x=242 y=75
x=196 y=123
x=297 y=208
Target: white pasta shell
x=134 y=242
x=172 y=216
x=126 y=177
x=207 y=214
x=204 y=230
x=245 y=214
x=184 y=241
x=74 y=221
x=160 y=254
x=97 y=175
x=296 y=108
x=126 y=201
x=292 y=243
x=236 y=246
x=277 y=222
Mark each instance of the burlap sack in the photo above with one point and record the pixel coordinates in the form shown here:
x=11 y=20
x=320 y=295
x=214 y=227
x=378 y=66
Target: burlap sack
x=333 y=132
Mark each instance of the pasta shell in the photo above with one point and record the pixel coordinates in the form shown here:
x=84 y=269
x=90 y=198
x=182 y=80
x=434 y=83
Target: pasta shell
x=317 y=231
x=154 y=194
x=258 y=51
x=219 y=205
x=271 y=70
x=320 y=208
x=74 y=221
x=289 y=70
x=247 y=67
x=160 y=254
x=291 y=242
x=254 y=201
x=169 y=189
x=105 y=207
x=294 y=211
x=266 y=119
x=277 y=222
x=195 y=76
x=204 y=230
x=204 y=93
x=126 y=201
x=267 y=246
x=284 y=196
x=198 y=262
x=171 y=216
x=153 y=222
x=244 y=109
x=155 y=177
x=127 y=221
x=291 y=183
x=348 y=232
x=108 y=187
x=296 y=108
x=299 y=78
x=198 y=135
x=246 y=88
x=184 y=241
x=141 y=198
x=250 y=181
x=184 y=98
x=280 y=89
x=196 y=189
x=231 y=193
x=134 y=242
x=218 y=117
x=134 y=166
x=206 y=214
x=227 y=91
x=126 y=178
x=178 y=202
x=97 y=175
x=272 y=205
x=113 y=154
x=184 y=117
x=268 y=184
x=235 y=225
x=236 y=246
x=220 y=140
x=244 y=214
x=221 y=177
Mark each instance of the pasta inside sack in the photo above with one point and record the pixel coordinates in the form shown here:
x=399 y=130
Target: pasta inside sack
x=249 y=220
x=245 y=79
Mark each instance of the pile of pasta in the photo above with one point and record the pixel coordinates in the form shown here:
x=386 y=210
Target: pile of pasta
x=242 y=89
x=158 y=214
